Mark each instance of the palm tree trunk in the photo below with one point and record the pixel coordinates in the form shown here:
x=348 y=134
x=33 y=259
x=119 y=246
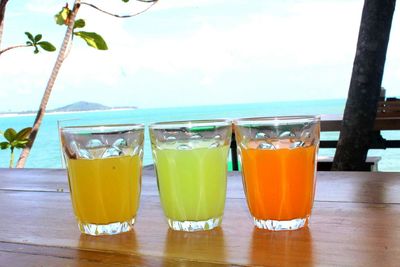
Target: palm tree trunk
x=365 y=85
x=42 y=108
x=3 y=4
x=12 y=158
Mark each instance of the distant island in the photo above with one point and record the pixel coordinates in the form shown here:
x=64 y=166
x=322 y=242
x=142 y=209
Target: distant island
x=76 y=107
x=86 y=106
x=80 y=106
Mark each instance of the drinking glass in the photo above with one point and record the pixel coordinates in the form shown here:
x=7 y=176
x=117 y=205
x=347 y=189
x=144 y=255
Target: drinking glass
x=104 y=164
x=61 y=124
x=191 y=165
x=278 y=160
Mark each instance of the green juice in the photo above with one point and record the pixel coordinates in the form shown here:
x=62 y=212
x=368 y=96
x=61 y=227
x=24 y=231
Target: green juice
x=192 y=183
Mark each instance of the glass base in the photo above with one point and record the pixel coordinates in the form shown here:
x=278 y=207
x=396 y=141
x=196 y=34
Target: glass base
x=274 y=225
x=192 y=226
x=106 y=229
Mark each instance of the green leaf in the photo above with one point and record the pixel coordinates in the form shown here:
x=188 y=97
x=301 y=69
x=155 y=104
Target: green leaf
x=125 y=1
x=19 y=145
x=93 y=39
x=47 y=46
x=23 y=134
x=61 y=17
x=80 y=23
x=36 y=50
x=29 y=43
x=10 y=134
x=38 y=38
x=30 y=36
x=4 y=145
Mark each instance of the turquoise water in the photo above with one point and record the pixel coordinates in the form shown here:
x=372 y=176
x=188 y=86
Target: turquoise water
x=46 y=150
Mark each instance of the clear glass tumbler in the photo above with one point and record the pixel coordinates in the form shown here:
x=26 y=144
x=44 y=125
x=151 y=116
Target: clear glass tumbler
x=104 y=165
x=191 y=164
x=278 y=160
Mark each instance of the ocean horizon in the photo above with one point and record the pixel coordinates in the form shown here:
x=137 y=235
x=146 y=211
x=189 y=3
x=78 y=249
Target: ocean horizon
x=46 y=152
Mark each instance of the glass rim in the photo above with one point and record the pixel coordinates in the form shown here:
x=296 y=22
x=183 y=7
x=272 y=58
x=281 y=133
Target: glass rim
x=188 y=124
x=276 y=120
x=102 y=128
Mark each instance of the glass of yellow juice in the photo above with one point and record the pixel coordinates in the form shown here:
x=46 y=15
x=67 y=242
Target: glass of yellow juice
x=190 y=159
x=104 y=164
x=278 y=161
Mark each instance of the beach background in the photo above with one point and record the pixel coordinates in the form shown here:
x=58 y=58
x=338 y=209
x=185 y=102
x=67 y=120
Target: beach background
x=46 y=150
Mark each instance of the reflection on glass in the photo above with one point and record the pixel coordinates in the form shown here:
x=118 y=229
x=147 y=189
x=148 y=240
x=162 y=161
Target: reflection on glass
x=60 y=124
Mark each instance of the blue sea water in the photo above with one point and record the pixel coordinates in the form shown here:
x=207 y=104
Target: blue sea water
x=46 y=150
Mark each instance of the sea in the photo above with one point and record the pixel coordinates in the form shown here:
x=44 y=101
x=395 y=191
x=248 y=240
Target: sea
x=46 y=152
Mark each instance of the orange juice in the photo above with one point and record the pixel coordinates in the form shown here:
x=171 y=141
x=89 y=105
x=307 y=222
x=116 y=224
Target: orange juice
x=280 y=183
x=105 y=191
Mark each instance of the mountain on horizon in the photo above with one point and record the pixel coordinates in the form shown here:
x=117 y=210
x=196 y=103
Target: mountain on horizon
x=74 y=107
x=81 y=106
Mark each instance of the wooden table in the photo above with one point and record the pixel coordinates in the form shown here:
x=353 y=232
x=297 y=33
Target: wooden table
x=355 y=222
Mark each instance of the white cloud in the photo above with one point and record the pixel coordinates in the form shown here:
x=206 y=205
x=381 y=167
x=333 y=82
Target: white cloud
x=262 y=39
x=180 y=4
x=291 y=45
x=47 y=7
x=207 y=80
x=300 y=39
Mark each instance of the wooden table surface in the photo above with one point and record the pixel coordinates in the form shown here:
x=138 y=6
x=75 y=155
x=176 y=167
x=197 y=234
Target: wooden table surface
x=355 y=222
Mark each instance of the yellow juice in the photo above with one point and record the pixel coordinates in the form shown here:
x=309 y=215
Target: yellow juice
x=105 y=191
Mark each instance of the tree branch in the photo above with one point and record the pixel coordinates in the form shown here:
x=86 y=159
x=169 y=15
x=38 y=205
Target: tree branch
x=123 y=16
x=12 y=47
x=42 y=108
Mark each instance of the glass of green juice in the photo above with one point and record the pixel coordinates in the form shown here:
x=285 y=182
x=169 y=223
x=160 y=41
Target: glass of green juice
x=104 y=164
x=190 y=160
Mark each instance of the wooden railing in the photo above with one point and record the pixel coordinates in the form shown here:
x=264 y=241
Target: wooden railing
x=387 y=118
x=389 y=108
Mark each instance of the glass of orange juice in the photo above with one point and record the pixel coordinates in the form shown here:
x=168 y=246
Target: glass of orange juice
x=104 y=166
x=278 y=162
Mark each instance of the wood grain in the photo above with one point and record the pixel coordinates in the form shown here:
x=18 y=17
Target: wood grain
x=356 y=222
x=23 y=255
x=331 y=186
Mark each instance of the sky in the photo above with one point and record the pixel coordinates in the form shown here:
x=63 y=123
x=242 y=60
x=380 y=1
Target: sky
x=191 y=52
